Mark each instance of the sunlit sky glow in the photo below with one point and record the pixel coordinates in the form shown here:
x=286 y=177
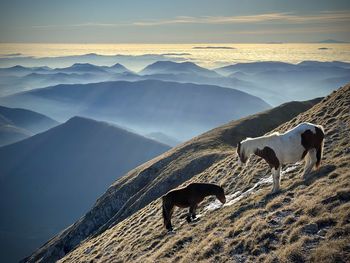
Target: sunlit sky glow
x=180 y=21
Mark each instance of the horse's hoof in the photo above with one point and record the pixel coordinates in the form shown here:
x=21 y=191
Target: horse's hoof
x=306 y=177
x=188 y=219
x=273 y=193
x=195 y=220
x=171 y=232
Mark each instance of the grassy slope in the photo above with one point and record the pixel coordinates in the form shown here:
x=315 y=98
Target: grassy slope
x=149 y=181
x=307 y=221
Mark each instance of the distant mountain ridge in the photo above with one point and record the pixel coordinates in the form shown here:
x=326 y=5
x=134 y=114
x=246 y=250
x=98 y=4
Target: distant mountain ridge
x=265 y=79
x=136 y=62
x=331 y=41
x=27 y=119
x=276 y=82
x=19 y=78
x=181 y=110
x=17 y=124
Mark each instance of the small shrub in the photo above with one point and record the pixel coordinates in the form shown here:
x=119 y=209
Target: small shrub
x=325 y=221
x=293 y=253
x=294 y=235
x=289 y=220
x=275 y=203
x=332 y=251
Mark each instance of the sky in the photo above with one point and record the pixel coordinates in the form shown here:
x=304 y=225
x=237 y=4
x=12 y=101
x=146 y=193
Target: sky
x=176 y=21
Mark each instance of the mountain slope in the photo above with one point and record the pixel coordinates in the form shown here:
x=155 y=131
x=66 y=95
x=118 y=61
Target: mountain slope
x=149 y=181
x=17 y=124
x=180 y=110
x=10 y=133
x=48 y=180
x=27 y=119
x=308 y=221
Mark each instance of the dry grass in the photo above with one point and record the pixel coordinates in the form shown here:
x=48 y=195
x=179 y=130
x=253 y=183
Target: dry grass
x=293 y=253
x=332 y=251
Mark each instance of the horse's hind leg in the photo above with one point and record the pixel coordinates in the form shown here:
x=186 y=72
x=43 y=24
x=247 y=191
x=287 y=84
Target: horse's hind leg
x=310 y=162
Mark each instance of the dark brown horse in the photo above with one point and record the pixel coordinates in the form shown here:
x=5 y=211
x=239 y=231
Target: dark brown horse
x=189 y=196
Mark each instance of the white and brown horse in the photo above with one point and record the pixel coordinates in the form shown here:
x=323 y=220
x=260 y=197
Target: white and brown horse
x=303 y=141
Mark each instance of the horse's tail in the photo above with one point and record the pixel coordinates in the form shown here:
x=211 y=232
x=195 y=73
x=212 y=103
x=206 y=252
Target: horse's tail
x=319 y=150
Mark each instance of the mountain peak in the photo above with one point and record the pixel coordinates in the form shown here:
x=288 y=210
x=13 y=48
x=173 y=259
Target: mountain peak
x=84 y=123
x=18 y=67
x=83 y=65
x=171 y=67
x=118 y=65
x=118 y=68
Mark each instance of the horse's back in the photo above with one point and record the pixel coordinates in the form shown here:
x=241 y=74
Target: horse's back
x=178 y=197
x=197 y=186
x=304 y=126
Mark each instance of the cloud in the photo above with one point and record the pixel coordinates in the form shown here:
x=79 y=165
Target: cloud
x=89 y=24
x=304 y=30
x=290 y=18
x=324 y=17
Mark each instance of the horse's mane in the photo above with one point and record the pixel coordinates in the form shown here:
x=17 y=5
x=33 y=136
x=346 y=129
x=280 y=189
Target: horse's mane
x=261 y=137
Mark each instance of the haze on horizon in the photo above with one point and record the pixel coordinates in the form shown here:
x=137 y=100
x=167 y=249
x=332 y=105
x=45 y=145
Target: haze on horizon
x=182 y=21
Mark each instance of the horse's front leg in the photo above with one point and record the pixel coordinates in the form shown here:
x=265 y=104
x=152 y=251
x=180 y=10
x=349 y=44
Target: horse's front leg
x=167 y=219
x=191 y=213
x=276 y=175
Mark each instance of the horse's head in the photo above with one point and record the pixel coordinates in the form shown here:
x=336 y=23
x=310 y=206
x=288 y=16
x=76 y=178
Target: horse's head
x=221 y=195
x=241 y=154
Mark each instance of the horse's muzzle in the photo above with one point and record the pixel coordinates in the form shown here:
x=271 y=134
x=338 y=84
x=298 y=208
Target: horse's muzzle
x=223 y=200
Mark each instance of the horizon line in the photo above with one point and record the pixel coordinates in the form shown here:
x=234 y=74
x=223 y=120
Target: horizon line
x=182 y=43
